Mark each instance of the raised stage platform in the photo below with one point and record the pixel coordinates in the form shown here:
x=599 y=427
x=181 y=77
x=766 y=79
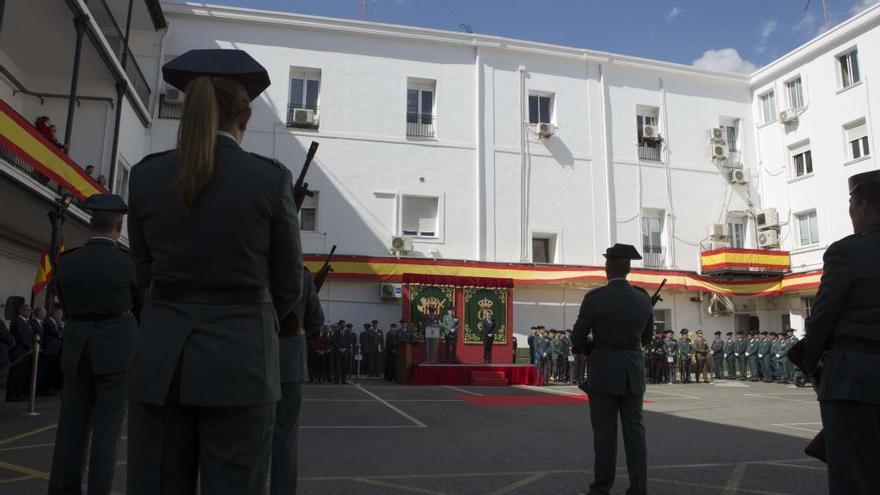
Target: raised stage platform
x=474 y=374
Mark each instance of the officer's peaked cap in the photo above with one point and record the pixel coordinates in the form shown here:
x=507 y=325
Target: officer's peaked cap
x=864 y=179
x=233 y=64
x=623 y=252
x=105 y=202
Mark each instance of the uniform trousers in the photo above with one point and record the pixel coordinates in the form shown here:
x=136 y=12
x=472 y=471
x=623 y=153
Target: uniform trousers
x=743 y=366
x=852 y=443
x=604 y=410
x=174 y=448
x=89 y=404
x=391 y=365
x=754 y=368
x=543 y=370
x=284 y=440
x=731 y=367
x=701 y=368
x=766 y=372
x=487 y=350
x=718 y=365
x=449 y=343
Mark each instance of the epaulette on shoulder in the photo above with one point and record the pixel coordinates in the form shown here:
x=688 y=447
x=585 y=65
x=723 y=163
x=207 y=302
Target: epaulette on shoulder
x=156 y=155
x=267 y=159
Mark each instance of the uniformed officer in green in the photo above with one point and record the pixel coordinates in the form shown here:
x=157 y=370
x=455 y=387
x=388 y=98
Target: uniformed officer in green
x=685 y=354
x=742 y=346
x=843 y=332
x=215 y=237
x=776 y=346
x=670 y=348
x=730 y=356
x=621 y=320
x=97 y=288
x=293 y=350
x=764 y=348
x=752 y=356
x=716 y=350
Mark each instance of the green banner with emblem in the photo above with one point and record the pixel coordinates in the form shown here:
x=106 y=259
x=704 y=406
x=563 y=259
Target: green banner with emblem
x=421 y=297
x=481 y=303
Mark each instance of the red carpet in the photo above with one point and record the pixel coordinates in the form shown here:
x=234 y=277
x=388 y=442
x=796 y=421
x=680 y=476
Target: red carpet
x=523 y=400
x=460 y=374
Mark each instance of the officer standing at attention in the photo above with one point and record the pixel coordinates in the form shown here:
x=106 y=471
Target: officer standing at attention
x=670 y=348
x=742 y=358
x=204 y=377
x=97 y=287
x=450 y=339
x=764 y=348
x=717 y=350
x=729 y=356
x=621 y=319
x=843 y=332
x=488 y=326
x=752 y=356
x=292 y=356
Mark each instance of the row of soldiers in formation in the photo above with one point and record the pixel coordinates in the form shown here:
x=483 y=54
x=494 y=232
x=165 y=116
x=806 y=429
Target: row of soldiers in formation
x=757 y=357
x=550 y=350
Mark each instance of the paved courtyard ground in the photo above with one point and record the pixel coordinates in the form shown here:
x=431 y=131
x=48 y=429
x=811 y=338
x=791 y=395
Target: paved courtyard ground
x=378 y=438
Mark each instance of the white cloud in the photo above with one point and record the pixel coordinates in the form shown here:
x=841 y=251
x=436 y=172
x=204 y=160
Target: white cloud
x=724 y=60
x=675 y=12
x=862 y=5
x=767 y=29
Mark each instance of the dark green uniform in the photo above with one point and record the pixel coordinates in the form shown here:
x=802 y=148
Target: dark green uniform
x=717 y=352
x=752 y=356
x=621 y=319
x=97 y=287
x=740 y=350
x=292 y=355
x=764 y=348
x=730 y=357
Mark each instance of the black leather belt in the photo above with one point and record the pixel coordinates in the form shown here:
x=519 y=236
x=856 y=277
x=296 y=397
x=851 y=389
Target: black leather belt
x=99 y=316
x=617 y=346
x=191 y=294
x=856 y=345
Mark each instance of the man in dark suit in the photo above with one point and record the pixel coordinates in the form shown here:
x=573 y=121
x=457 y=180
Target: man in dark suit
x=488 y=326
x=97 y=287
x=23 y=335
x=50 y=354
x=621 y=320
x=6 y=343
x=292 y=358
x=843 y=333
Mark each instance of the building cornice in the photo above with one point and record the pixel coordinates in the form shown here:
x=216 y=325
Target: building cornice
x=375 y=29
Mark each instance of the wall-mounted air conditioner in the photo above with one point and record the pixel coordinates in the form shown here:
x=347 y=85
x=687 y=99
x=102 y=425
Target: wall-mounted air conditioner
x=767 y=219
x=768 y=239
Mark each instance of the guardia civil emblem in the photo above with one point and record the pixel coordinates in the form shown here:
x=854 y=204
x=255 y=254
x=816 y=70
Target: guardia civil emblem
x=485 y=312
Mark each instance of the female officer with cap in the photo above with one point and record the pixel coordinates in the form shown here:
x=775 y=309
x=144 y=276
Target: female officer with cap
x=215 y=238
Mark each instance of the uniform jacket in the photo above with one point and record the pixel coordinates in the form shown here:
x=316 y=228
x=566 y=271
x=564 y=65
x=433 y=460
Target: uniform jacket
x=51 y=343
x=685 y=348
x=242 y=232
x=488 y=326
x=615 y=313
x=6 y=342
x=293 y=350
x=729 y=347
x=542 y=345
x=764 y=347
x=742 y=346
x=391 y=340
x=847 y=307
x=450 y=324
x=98 y=277
x=717 y=347
x=23 y=335
x=670 y=346
x=752 y=348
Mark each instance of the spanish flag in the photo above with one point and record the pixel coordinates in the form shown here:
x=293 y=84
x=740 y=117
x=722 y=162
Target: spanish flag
x=44 y=273
x=60 y=250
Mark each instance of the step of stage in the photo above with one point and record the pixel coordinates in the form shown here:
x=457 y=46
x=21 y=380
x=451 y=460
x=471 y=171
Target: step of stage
x=489 y=379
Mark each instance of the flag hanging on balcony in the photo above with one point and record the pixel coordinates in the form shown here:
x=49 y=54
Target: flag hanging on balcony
x=60 y=250
x=44 y=273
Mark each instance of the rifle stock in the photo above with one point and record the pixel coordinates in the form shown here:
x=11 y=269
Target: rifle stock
x=300 y=187
x=325 y=270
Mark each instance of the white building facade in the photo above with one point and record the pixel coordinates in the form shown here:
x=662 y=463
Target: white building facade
x=518 y=157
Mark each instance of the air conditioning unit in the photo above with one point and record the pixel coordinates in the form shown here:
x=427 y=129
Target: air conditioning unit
x=716 y=135
x=173 y=95
x=768 y=239
x=739 y=176
x=650 y=132
x=719 y=152
x=788 y=116
x=767 y=219
x=401 y=244
x=304 y=116
x=545 y=130
x=390 y=291
x=718 y=231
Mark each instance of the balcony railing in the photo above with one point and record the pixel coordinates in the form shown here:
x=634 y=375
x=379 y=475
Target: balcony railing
x=25 y=150
x=420 y=125
x=170 y=109
x=733 y=160
x=653 y=256
x=116 y=38
x=647 y=152
x=303 y=121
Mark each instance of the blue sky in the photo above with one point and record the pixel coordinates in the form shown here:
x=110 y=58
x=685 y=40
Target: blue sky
x=735 y=35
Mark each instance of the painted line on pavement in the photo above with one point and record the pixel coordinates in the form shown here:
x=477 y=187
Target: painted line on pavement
x=736 y=477
x=393 y=408
x=797 y=426
x=362 y=427
x=20 y=478
x=25 y=447
x=462 y=390
x=714 y=487
x=783 y=464
x=546 y=390
x=27 y=434
x=772 y=396
x=516 y=485
x=385 y=484
x=671 y=394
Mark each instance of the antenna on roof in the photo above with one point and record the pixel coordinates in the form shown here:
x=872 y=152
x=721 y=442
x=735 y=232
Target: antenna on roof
x=826 y=22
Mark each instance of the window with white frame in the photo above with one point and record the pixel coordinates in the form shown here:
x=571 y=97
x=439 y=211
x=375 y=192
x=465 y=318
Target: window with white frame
x=543 y=248
x=123 y=171
x=768 y=107
x=795 y=90
x=420 y=104
x=648 y=133
x=652 y=238
x=808 y=228
x=305 y=87
x=308 y=214
x=857 y=140
x=802 y=160
x=662 y=319
x=731 y=134
x=419 y=216
x=849 y=68
x=540 y=107
x=737 y=227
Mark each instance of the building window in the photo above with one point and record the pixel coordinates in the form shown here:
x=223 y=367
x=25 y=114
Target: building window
x=543 y=248
x=652 y=239
x=648 y=133
x=662 y=319
x=786 y=322
x=807 y=303
x=857 y=140
x=123 y=171
x=737 y=234
x=420 y=104
x=808 y=228
x=849 y=68
x=768 y=107
x=305 y=87
x=731 y=135
x=795 y=93
x=540 y=108
x=308 y=214
x=171 y=99
x=803 y=162
x=418 y=216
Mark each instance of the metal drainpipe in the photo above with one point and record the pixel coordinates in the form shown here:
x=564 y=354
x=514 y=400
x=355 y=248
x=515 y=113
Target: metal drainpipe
x=79 y=22
x=523 y=248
